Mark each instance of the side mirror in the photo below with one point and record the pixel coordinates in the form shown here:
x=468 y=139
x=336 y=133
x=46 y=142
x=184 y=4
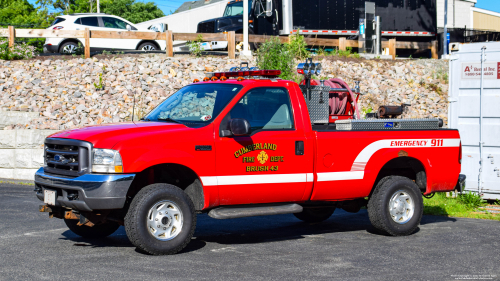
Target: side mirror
x=128 y=27
x=269 y=8
x=239 y=127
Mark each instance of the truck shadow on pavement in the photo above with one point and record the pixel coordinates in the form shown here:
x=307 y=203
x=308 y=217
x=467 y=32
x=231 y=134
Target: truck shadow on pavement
x=258 y=230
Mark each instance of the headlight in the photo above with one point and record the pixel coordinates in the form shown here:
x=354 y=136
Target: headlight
x=106 y=161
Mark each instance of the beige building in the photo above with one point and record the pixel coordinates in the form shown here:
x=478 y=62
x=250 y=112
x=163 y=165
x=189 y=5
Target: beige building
x=464 y=14
x=485 y=20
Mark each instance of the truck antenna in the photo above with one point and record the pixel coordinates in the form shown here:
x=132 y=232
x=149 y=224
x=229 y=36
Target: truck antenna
x=133 y=107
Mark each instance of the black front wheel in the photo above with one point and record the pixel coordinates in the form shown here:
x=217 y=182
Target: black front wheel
x=97 y=231
x=396 y=206
x=161 y=219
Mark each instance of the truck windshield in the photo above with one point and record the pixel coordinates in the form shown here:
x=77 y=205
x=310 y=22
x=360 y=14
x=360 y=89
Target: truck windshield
x=199 y=103
x=236 y=9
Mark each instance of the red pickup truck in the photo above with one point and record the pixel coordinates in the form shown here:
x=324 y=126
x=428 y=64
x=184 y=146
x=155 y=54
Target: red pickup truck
x=243 y=143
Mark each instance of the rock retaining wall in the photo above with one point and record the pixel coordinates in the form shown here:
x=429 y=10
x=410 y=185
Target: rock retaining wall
x=69 y=93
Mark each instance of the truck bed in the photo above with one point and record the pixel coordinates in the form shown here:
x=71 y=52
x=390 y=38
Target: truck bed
x=347 y=163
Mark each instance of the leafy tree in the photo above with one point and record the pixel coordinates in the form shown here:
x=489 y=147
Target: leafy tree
x=132 y=11
x=22 y=13
x=128 y=9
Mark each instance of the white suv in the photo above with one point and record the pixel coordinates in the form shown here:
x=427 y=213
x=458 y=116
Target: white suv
x=100 y=22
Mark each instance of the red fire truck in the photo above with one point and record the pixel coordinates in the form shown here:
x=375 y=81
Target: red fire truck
x=246 y=143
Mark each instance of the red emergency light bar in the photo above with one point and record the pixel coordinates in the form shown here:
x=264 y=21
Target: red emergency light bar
x=264 y=73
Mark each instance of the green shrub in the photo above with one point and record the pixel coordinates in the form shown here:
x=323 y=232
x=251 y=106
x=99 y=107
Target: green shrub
x=298 y=46
x=17 y=52
x=274 y=55
x=471 y=200
x=195 y=46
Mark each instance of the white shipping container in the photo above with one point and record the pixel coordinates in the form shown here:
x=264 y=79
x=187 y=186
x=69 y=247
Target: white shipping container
x=466 y=102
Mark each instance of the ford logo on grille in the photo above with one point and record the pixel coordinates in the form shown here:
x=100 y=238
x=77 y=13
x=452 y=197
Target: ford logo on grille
x=60 y=158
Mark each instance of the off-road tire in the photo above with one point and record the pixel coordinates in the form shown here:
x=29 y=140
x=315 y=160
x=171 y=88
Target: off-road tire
x=136 y=225
x=96 y=231
x=315 y=214
x=378 y=205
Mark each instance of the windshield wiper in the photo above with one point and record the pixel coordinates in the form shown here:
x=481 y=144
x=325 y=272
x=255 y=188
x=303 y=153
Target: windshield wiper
x=144 y=119
x=170 y=120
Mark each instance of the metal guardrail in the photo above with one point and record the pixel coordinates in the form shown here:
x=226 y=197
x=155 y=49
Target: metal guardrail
x=342 y=43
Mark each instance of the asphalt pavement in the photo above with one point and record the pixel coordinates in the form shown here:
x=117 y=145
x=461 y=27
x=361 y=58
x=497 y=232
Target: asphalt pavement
x=345 y=247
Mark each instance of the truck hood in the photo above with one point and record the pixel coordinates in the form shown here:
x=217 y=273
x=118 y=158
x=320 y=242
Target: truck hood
x=231 y=23
x=107 y=135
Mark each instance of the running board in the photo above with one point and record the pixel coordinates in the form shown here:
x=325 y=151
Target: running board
x=252 y=211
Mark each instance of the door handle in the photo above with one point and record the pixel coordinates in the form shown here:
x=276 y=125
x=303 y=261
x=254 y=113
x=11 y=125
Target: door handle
x=299 y=147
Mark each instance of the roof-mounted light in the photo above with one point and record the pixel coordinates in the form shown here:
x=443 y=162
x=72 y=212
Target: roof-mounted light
x=241 y=73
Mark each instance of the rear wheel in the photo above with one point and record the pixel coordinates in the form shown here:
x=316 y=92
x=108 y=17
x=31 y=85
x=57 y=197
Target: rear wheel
x=68 y=48
x=161 y=219
x=97 y=231
x=148 y=46
x=396 y=206
x=315 y=214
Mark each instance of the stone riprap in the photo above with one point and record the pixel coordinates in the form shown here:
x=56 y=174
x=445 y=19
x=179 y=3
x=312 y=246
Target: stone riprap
x=68 y=93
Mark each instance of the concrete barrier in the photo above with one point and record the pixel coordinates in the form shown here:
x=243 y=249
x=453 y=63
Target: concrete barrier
x=21 y=153
x=16 y=117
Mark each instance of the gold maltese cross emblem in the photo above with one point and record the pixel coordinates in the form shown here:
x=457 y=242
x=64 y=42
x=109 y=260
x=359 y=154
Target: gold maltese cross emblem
x=262 y=157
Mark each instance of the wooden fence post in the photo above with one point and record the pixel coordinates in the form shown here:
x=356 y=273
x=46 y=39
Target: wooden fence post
x=392 y=48
x=342 y=44
x=12 y=36
x=170 y=43
x=434 y=49
x=231 y=44
x=87 y=43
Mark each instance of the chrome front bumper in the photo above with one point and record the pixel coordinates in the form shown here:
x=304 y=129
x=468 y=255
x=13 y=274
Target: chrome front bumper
x=94 y=191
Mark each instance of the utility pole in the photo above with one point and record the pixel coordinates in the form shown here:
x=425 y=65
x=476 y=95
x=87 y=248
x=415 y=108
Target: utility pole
x=245 y=51
x=98 y=7
x=445 y=35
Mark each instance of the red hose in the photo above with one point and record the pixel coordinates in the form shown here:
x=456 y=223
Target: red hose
x=338 y=100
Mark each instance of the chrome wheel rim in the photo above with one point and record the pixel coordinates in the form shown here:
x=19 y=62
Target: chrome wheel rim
x=148 y=48
x=401 y=207
x=69 y=49
x=164 y=220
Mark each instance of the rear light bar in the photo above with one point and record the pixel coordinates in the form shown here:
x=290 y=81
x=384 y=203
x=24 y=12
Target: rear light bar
x=264 y=73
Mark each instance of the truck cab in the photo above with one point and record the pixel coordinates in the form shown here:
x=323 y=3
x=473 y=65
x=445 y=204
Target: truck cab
x=242 y=143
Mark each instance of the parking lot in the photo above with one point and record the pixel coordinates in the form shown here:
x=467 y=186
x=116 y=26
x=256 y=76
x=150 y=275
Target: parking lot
x=345 y=247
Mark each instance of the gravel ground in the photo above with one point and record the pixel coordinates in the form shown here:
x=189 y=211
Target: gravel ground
x=345 y=247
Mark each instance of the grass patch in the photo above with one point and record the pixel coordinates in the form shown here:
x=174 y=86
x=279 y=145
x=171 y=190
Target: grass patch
x=17 y=182
x=464 y=207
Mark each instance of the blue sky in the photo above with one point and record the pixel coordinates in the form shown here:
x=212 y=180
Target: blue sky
x=492 y=5
x=172 y=5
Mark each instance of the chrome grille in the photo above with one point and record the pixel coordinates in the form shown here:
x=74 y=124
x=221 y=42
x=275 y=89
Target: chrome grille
x=67 y=157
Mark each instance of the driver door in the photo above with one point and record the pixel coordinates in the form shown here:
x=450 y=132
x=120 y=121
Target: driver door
x=264 y=166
